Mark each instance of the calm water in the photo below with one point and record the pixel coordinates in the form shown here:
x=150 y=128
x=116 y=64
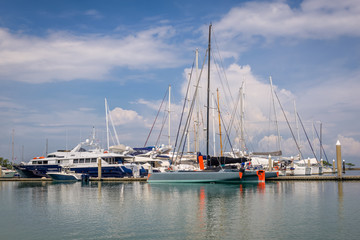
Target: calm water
x=281 y=210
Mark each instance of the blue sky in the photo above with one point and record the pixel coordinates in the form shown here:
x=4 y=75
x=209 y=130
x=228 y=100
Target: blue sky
x=60 y=59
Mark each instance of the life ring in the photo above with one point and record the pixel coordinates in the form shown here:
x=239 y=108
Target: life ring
x=276 y=168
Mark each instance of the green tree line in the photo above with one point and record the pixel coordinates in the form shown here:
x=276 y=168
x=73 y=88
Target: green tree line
x=5 y=163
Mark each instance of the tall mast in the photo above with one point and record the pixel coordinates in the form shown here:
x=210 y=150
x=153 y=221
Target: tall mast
x=213 y=121
x=107 y=125
x=169 y=114
x=208 y=93
x=218 y=107
x=12 y=146
x=320 y=140
x=276 y=122
x=242 y=139
x=297 y=129
x=197 y=125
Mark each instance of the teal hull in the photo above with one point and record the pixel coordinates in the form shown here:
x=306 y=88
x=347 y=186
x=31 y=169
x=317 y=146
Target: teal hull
x=227 y=176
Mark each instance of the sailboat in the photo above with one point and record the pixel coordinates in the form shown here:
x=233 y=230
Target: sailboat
x=210 y=175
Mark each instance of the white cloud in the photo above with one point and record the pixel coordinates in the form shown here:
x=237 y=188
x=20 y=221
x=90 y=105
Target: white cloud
x=259 y=115
x=93 y=13
x=122 y=117
x=314 y=19
x=62 y=56
x=349 y=146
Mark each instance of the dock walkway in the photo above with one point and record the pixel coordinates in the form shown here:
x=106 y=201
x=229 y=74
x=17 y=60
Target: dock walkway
x=280 y=178
x=315 y=178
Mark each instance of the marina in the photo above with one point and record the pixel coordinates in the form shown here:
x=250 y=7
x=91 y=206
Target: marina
x=352 y=175
x=138 y=210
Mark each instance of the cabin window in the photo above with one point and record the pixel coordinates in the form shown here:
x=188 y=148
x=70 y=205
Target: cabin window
x=81 y=160
x=45 y=162
x=87 y=160
x=58 y=161
x=34 y=162
x=109 y=160
x=93 y=160
x=76 y=161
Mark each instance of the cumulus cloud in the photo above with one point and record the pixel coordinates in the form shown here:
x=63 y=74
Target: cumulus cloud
x=122 y=116
x=62 y=56
x=313 y=19
x=258 y=109
x=349 y=146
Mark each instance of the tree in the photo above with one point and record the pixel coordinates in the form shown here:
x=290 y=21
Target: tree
x=5 y=163
x=326 y=164
x=350 y=165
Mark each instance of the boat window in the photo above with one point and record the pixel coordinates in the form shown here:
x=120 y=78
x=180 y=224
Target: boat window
x=119 y=159
x=45 y=162
x=87 y=160
x=109 y=160
x=76 y=161
x=34 y=162
x=81 y=160
x=93 y=160
x=58 y=161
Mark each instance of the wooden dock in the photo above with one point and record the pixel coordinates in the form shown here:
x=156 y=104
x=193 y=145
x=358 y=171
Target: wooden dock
x=314 y=178
x=91 y=179
x=280 y=178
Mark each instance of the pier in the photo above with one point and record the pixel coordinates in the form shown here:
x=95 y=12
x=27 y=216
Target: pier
x=280 y=178
x=91 y=179
x=314 y=178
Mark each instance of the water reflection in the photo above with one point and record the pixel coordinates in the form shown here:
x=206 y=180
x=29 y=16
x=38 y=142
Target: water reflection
x=138 y=210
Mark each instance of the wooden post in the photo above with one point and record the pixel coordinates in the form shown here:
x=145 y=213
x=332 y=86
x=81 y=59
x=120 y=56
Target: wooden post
x=99 y=167
x=343 y=166
x=333 y=165
x=270 y=163
x=338 y=159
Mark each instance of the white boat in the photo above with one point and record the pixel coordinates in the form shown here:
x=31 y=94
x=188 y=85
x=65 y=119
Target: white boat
x=7 y=173
x=82 y=159
x=65 y=175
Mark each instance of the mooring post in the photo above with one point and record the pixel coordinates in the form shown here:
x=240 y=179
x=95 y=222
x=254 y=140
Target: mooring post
x=99 y=167
x=338 y=159
x=343 y=166
x=270 y=163
x=333 y=166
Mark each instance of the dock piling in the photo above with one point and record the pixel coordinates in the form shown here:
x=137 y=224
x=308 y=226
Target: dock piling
x=338 y=159
x=99 y=167
x=270 y=163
